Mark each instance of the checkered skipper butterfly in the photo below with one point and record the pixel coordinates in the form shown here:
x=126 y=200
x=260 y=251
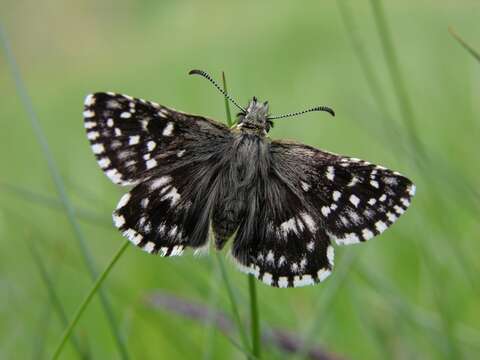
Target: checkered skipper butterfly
x=284 y=202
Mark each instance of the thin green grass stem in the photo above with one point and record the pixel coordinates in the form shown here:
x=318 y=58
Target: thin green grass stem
x=60 y=187
x=466 y=46
x=329 y=294
x=227 y=105
x=52 y=294
x=88 y=298
x=396 y=75
x=254 y=318
x=233 y=302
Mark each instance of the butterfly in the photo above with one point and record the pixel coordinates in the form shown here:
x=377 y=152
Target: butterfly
x=284 y=203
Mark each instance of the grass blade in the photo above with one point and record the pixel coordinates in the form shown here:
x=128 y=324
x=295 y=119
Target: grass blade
x=88 y=298
x=51 y=202
x=254 y=317
x=227 y=105
x=395 y=73
x=462 y=42
x=329 y=294
x=233 y=302
x=60 y=187
x=54 y=299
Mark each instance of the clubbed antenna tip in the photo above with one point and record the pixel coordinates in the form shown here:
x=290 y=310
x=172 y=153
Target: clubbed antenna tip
x=317 y=108
x=209 y=78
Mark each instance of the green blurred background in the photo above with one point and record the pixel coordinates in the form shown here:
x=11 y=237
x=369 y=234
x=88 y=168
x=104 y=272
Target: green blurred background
x=411 y=104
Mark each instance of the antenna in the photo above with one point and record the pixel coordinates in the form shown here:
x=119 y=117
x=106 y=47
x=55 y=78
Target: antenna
x=209 y=78
x=317 y=108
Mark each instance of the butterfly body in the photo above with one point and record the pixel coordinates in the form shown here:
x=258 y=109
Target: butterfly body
x=283 y=203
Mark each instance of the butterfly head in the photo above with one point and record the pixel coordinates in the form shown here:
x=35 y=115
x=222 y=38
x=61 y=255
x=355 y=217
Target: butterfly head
x=255 y=117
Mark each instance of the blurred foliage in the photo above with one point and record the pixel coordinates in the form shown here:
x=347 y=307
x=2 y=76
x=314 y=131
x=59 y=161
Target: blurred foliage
x=411 y=293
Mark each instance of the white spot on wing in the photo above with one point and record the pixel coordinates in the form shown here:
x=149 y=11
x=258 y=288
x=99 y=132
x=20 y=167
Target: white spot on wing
x=367 y=234
x=151 y=163
x=149 y=246
x=282 y=281
x=173 y=195
x=118 y=220
x=133 y=236
x=391 y=217
x=88 y=114
x=133 y=140
x=336 y=195
x=177 y=250
x=267 y=278
x=374 y=183
x=405 y=202
x=123 y=201
x=309 y=222
x=323 y=274
x=347 y=239
x=398 y=210
x=303 y=280
x=330 y=254
x=114 y=175
x=157 y=183
x=168 y=129
x=92 y=135
x=89 y=100
x=353 y=181
x=110 y=122
x=311 y=245
x=289 y=225
x=180 y=153
x=411 y=190
x=330 y=173
x=270 y=257
x=151 y=145
x=104 y=162
x=381 y=226
x=89 y=124
x=98 y=148
x=125 y=115
x=325 y=210
x=354 y=200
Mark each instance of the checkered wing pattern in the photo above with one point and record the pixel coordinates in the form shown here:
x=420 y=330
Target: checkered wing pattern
x=169 y=157
x=313 y=199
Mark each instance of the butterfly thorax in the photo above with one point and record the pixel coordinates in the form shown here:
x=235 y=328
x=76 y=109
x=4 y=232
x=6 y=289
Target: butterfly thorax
x=255 y=119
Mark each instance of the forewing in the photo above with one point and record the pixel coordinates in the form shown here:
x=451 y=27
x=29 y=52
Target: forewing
x=135 y=139
x=171 y=157
x=355 y=199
